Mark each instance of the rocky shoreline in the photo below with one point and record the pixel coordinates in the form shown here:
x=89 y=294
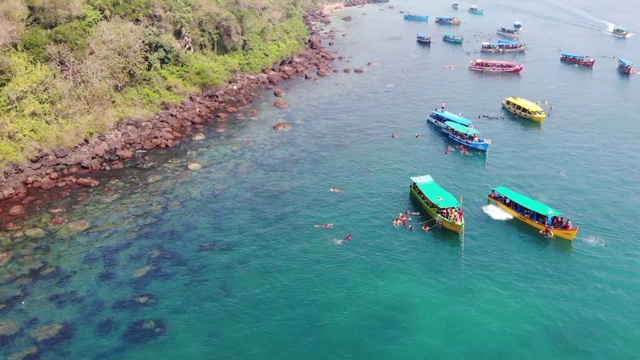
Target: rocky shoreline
x=67 y=169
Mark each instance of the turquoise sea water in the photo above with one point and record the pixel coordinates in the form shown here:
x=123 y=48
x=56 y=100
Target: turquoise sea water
x=237 y=269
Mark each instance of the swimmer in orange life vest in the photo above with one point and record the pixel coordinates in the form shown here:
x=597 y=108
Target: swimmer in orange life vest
x=347 y=238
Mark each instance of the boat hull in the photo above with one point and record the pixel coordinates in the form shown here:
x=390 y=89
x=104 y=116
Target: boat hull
x=416 y=18
x=624 y=70
x=538 y=118
x=515 y=69
x=588 y=63
x=477 y=12
x=567 y=234
x=447 y=224
x=453 y=41
x=482 y=146
x=424 y=41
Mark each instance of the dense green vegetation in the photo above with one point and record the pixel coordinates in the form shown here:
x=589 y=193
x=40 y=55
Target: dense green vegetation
x=73 y=68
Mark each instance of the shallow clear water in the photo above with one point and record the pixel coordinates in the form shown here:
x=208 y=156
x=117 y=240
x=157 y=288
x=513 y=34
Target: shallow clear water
x=238 y=269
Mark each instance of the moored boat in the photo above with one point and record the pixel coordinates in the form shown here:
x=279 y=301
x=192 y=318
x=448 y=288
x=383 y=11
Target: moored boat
x=439 y=117
x=503 y=46
x=624 y=66
x=447 y=20
x=620 y=31
x=416 y=17
x=437 y=202
x=475 y=10
x=453 y=38
x=466 y=135
x=583 y=60
x=533 y=213
x=495 y=66
x=423 y=39
x=525 y=108
x=517 y=25
x=455 y=5
x=508 y=32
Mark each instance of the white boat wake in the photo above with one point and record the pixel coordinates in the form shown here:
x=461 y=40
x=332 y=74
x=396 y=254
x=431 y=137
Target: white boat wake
x=594 y=241
x=496 y=213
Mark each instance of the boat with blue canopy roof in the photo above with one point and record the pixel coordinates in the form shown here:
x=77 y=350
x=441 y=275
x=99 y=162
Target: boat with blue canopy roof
x=503 y=46
x=416 y=17
x=620 y=31
x=453 y=38
x=533 y=213
x=423 y=39
x=439 y=117
x=466 y=135
x=624 y=66
x=577 y=59
x=437 y=202
x=447 y=20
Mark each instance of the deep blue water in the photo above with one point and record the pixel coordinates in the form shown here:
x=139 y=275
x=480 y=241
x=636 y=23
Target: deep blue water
x=237 y=269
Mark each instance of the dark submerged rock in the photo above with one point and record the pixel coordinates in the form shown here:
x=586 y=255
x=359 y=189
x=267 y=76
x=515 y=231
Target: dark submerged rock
x=144 y=330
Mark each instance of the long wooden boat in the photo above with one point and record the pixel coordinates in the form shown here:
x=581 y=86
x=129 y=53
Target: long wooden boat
x=620 y=31
x=466 y=135
x=447 y=20
x=532 y=212
x=416 y=17
x=453 y=38
x=437 y=202
x=423 y=39
x=624 y=66
x=503 y=46
x=439 y=117
x=577 y=59
x=525 y=108
x=495 y=66
x=475 y=10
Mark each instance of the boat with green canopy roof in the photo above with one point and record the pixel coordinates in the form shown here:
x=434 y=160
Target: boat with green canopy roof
x=465 y=135
x=533 y=213
x=439 y=203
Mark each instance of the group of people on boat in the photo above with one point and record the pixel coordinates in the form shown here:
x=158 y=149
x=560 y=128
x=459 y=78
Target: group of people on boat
x=542 y=219
x=502 y=47
x=452 y=214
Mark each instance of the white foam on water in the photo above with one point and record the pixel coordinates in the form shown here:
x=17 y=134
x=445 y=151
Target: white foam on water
x=593 y=241
x=496 y=213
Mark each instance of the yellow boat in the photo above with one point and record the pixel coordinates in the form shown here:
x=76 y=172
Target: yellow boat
x=532 y=213
x=434 y=200
x=524 y=108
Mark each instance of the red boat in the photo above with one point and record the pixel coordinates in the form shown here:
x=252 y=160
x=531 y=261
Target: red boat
x=495 y=66
x=583 y=60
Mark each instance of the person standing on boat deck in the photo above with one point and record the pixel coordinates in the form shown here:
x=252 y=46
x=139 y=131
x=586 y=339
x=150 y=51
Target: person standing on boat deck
x=443 y=106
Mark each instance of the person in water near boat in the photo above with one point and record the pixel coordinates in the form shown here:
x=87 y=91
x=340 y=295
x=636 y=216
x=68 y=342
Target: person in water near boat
x=334 y=189
x=324 y=226
x=425 y=228
x=394 y=135
x=547 y=232
x=346 y=238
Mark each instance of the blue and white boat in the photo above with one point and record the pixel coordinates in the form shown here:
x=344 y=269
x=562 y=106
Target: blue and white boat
x=475 y=10
x=416 y=17
x=503 y=46
x=423 y=39
x=447 y=20
x=440 y=117
x=466 y=135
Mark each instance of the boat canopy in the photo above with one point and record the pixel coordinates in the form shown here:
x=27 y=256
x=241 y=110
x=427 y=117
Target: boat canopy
x=527 y=104
x=510 y=42
x=444 y=18
x=527 y=202
x=625 y=62
x=421 y=35
x=517 y=24
x=453 y=117
x=461 y=128
x=439 y=196
x=620 y=28
x=577 y=56
x=453 y=36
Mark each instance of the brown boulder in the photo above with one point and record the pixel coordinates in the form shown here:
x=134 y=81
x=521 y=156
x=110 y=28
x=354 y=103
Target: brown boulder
x=282 y=125
x=280 y=103
x=322 y=72
x=16 y=210
x=347 y=70
x=278 y=92
x=194 y=166
x=358 y=70
x=5 y=257
x=88 y=182
x=347 y=18
x=47 y=184
x=125 y=154
x=59 y=220
x=100 y=149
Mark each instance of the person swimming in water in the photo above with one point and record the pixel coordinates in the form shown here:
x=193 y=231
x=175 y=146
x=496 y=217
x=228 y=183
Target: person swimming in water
x=334 y=189
x=324 y=226
x=425 y=228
